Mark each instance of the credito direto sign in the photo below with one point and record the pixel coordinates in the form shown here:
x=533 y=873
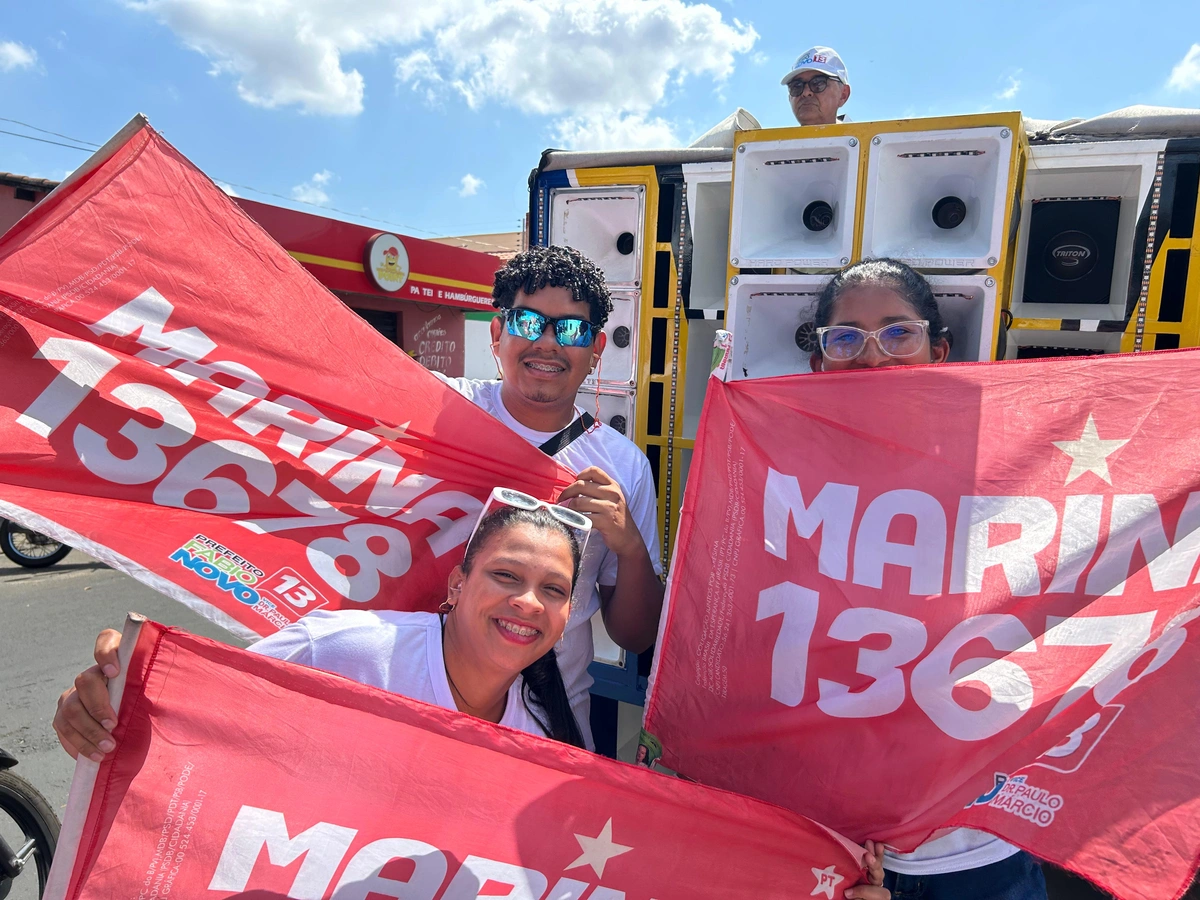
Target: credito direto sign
x=386 y=262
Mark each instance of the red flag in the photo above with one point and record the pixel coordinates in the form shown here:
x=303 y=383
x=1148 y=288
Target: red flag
x=184 y=401
x=902 y=590
x=333 y=789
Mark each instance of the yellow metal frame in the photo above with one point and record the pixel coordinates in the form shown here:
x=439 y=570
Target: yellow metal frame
x=1189 y=329
x=671 y=444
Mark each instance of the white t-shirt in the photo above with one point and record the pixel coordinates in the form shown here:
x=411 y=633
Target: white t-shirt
x=400 y=652
x=954 y=851
x=612 y=452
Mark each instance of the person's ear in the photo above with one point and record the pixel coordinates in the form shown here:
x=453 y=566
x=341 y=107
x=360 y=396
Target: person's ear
x=455 y=582
x=497 y=328
x=814 y=361
x=845 y=95
x=598 y=346
x=939 y=350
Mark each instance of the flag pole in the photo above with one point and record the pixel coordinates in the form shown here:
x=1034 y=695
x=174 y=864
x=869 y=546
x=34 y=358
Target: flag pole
x=84 y=780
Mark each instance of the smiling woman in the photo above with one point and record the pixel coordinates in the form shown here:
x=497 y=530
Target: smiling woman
x=489 y=653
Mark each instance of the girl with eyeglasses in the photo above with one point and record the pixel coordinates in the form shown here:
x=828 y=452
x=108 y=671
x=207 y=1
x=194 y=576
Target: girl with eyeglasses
x=873 y=314
x=489 y=652
x=878 y=312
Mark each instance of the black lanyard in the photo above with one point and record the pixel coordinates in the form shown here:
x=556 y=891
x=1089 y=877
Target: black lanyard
x=568 y=435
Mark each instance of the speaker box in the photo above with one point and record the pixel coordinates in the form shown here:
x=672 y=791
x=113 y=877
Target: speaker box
x=794 y=203
x=616 y=407
x=1102 y=190
x=1071 y=250
x=968 y=307
x=618 y=363
x=708 y=198
x=938 y=199
x=605 y=225
x=1030 y=344
x=765 y=314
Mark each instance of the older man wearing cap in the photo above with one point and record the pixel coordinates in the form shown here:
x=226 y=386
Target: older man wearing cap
x=817 y=86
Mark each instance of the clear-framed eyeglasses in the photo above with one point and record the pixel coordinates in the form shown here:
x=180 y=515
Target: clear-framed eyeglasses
x=899 y=340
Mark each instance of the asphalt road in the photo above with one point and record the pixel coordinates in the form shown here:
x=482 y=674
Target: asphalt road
x=49 y=620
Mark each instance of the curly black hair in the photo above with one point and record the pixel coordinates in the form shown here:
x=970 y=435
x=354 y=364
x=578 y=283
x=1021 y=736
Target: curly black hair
x=565 y=267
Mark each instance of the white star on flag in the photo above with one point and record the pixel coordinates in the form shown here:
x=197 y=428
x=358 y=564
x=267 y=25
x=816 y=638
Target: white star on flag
x=1089 y=453
x=597 y=851
x=392 y=433
x=827 y=880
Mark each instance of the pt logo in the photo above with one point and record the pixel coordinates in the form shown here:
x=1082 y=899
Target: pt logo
x=1076 y=747
x=827 y=881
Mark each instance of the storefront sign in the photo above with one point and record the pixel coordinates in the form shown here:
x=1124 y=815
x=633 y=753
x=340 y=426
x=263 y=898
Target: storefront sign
x=435 y=339
x=386 y=262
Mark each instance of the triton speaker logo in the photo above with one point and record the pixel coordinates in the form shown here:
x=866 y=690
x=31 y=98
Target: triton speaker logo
x=1071 y=255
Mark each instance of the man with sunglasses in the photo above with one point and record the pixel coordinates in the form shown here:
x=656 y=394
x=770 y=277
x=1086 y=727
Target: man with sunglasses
x=818 y=86
x=546 y=340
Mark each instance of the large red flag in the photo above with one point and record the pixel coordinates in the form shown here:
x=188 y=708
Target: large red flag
x=333 y=789
x=904 y=592
x=183 y=400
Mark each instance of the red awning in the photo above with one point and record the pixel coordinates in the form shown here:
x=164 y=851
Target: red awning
x=337 y=255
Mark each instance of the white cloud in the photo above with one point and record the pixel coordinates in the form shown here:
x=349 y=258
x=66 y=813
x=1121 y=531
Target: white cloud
x=615 y=131
x=227 y=188
x=16 y=56
x=1013 y=88
x=1186 y=75
x=289 y=52
x=470 y=185
x=567 y=59
x=313 y=190
x=559 y=58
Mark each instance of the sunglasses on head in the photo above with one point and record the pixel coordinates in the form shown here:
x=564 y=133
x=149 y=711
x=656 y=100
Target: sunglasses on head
x=501 y=496
x=569 y=331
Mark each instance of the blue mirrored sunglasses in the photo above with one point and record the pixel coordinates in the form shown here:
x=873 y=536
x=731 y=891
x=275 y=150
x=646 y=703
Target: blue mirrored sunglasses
x=568 y=332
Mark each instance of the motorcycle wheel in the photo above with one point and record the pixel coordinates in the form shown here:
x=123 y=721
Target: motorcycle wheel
x=26 y=816
x=28 y=548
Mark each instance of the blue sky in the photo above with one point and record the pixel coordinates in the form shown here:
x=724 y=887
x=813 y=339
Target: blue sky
x=429 y=116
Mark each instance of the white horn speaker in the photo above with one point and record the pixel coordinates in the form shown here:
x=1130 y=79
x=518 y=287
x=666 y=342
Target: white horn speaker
x=968 y=307
x=938 y=199
x=770 y=317
x=605 y=225
x=794 y=203
x=618 y=362
x=616 y=407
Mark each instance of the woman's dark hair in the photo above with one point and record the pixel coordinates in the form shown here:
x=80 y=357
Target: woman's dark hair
x=893 y=275
x=564 y=267
x=550 y=707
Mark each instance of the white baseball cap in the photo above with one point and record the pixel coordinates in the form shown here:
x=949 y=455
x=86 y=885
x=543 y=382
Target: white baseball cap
x=819 y=59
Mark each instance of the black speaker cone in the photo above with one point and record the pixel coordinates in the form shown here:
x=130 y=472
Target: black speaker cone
x=949 y=212
x=617 y=422
x=625 y=243
x=1072 y=251
x=818 y=215
x=1071 y=255
x=806 y=337
x=620 y=336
